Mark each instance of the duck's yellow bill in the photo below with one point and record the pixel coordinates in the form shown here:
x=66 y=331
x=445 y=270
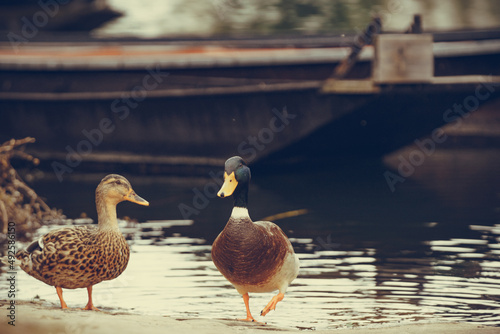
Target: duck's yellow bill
x=134 y=198
x=229 y=185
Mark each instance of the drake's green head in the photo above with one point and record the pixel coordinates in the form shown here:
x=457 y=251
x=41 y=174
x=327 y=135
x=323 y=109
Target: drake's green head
x=236 y=172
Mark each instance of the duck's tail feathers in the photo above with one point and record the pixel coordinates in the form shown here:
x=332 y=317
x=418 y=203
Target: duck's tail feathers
x=24 y=260
x=12 y=262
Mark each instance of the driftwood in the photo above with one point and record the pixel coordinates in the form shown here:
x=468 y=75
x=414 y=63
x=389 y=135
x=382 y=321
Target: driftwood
x=19 y=204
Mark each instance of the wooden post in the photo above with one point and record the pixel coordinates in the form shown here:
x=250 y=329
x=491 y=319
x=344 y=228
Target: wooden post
x=416 y=26
x=403 y=58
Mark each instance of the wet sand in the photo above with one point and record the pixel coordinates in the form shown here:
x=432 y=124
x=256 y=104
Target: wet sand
x=36 y=317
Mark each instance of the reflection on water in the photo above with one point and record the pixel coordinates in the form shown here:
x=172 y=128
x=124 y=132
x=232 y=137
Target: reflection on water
x=368 y=256
x=451 y=280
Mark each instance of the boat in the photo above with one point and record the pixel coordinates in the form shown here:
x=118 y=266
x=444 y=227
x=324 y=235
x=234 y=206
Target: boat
x=183 y=105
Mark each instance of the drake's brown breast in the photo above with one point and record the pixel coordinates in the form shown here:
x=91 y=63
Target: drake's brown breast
x=249 y=254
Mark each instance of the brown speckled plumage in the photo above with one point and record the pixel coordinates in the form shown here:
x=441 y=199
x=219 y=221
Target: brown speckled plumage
x=76 y=257
x=253 y=256
x=82 y=256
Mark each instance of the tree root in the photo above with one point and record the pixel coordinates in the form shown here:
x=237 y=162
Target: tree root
x=18 y=202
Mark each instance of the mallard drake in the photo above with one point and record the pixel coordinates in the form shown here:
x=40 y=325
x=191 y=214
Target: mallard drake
x=253 y=256
x=82 y=256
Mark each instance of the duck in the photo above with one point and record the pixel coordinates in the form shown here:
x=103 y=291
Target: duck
x=83 y=256
x=253 y=256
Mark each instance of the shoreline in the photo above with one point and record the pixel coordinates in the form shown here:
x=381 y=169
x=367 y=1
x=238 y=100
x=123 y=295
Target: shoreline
x=38 y=317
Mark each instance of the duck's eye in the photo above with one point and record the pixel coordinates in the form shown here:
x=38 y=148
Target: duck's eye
x=118 y=182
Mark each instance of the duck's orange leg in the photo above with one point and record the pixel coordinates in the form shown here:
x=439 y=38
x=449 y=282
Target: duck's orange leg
x=272 y=304
x=246 y=299
x=89 y=305
x=60 y=295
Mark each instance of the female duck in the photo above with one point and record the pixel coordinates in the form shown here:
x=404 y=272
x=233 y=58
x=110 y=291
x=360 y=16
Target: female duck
x=253 y=256
x=82 y=256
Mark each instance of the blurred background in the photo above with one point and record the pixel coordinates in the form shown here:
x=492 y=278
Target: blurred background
x=232 y=17
x=385 y=157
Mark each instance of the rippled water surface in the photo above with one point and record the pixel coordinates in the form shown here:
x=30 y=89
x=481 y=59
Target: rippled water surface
x=368 y=256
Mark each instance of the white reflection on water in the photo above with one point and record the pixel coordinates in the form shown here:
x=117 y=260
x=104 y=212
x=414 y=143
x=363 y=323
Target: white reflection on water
x=175 y=276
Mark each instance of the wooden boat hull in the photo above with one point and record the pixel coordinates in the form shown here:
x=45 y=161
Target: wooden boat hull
x=182 y=109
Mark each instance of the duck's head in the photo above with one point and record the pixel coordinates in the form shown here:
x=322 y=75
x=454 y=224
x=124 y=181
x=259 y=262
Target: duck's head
x=236 y=173
x=115 y=188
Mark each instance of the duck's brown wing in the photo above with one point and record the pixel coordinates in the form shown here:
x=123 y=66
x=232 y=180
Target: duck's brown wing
x=54 y=257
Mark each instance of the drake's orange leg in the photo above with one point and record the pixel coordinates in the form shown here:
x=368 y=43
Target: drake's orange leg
x=272 y=304
x=89 y=305
x=59 y=294
x=246 y=299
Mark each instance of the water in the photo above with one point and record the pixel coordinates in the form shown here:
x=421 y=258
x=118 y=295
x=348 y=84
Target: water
x=369 y=257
